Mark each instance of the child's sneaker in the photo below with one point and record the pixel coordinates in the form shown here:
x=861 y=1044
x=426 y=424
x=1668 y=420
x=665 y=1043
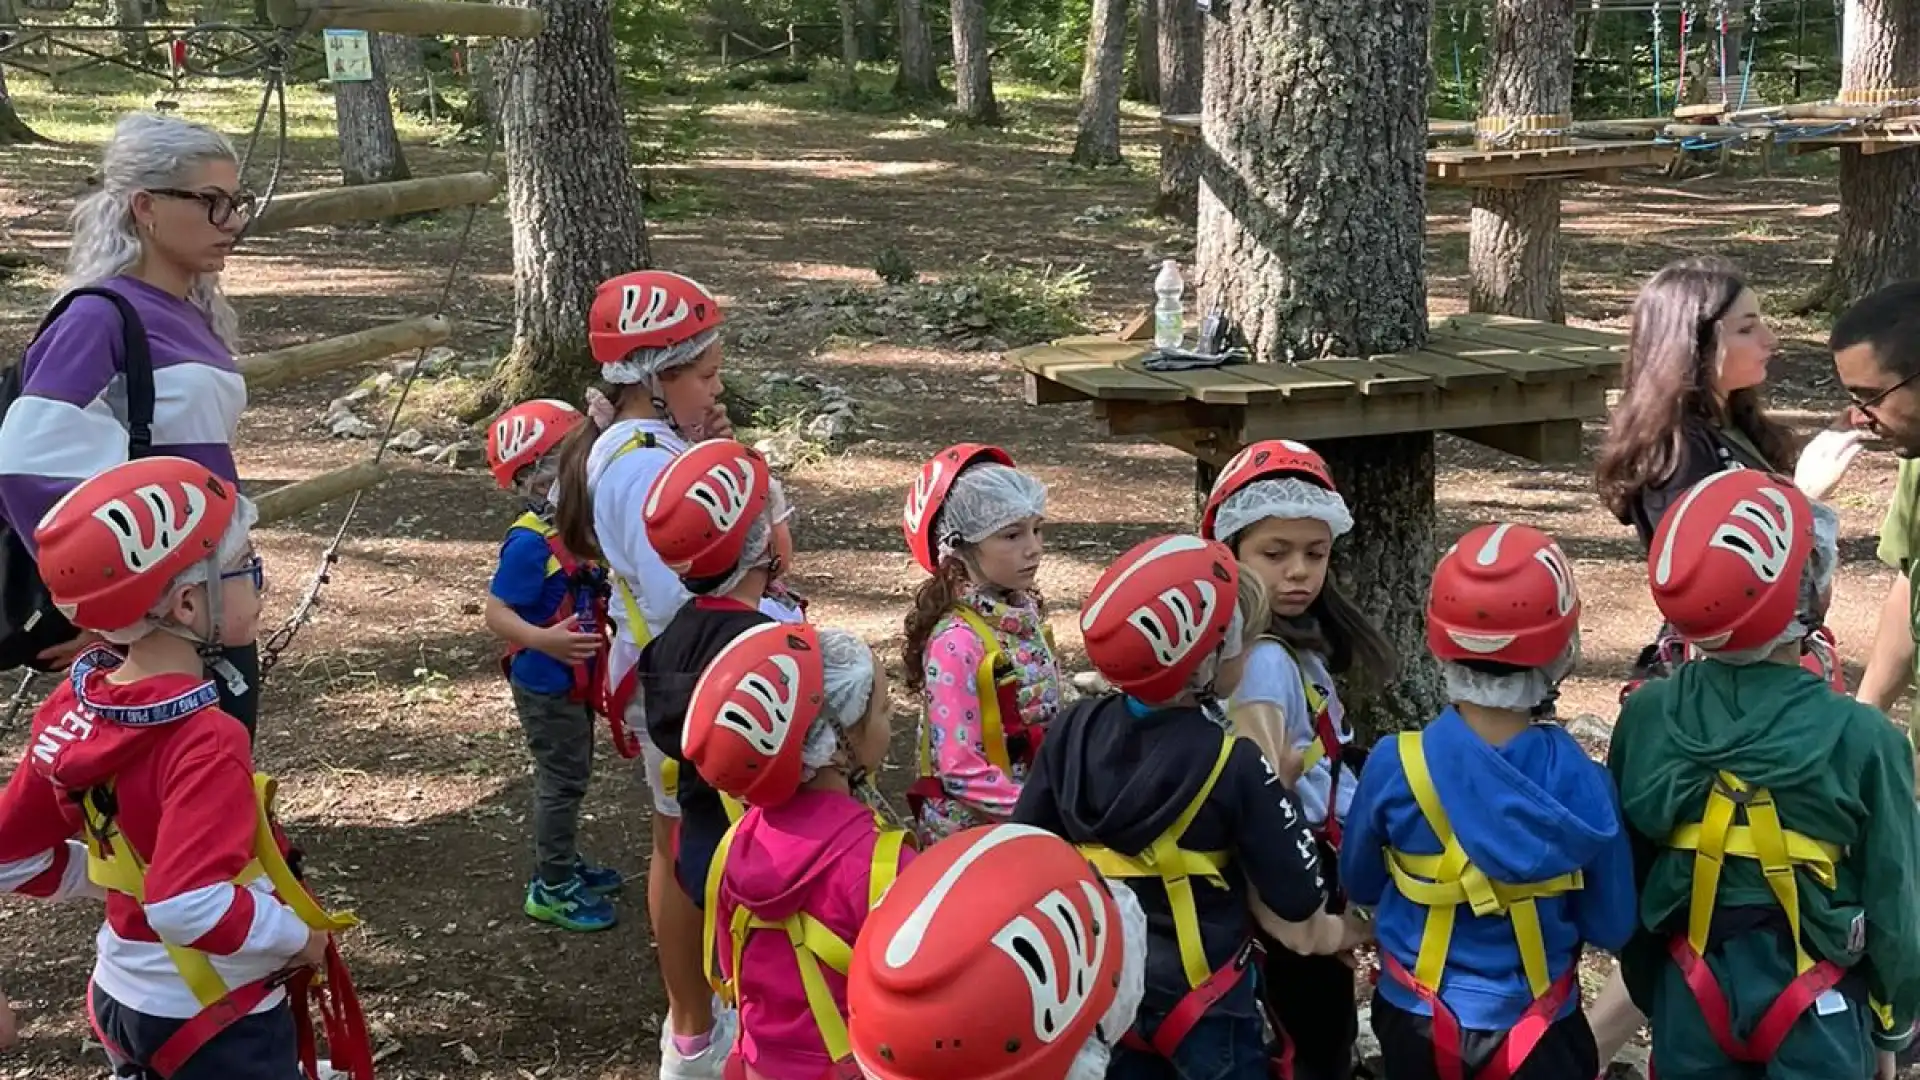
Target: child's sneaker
x=571 y=906
x=708 y=1064
x=600 y=880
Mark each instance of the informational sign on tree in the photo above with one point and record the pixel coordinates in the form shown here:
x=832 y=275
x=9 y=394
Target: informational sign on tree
x=349 y=56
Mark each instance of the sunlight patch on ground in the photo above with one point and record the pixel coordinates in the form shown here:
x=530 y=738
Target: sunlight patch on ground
x=349 y=796
x=814 y=271
x=901 y=134
x=834 y=169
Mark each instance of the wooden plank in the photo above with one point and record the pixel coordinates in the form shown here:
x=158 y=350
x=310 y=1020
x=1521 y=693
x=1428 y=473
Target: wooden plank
x=1526 y=367
x=269 y=369
x=1234 y=384
x=1549 y=442
x=1579 y=335
x=1448 y=372
x=374 y=202
x=1139 y=328
x=1300 y=384
x=419 y=18
x=294 y=499
x=1039 y=391
x=1372 y=377
x=1509 y=403
x=1093 y=377
x=1602 y=359
x=1129 y=418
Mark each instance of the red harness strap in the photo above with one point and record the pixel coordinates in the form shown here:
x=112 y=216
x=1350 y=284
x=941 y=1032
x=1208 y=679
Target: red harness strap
x=1774 y=1024
x=1179 y=1022
x=1006 y=692
x=1512 y=1051
x=589 y=687
x=1330 y=746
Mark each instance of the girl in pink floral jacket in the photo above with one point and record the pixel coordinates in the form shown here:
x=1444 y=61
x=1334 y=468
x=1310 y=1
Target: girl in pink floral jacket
x=977 y=652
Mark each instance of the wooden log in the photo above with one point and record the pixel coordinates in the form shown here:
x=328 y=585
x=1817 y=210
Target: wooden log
x=295 y=499
x=375 y=202
x=420 y=18
x=282 y=366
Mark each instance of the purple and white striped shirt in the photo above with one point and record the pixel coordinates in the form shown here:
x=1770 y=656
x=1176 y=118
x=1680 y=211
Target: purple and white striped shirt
x=70 y=422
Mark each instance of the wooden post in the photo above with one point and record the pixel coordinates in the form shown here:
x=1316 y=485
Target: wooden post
x=374 y=202
x=295 y=499
x=420 y=18
x=281 y=366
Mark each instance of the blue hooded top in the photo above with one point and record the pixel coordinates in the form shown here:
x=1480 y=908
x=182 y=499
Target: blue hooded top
x=1527 y=811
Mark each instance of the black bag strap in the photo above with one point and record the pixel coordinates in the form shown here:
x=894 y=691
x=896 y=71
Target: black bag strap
x=136 y=362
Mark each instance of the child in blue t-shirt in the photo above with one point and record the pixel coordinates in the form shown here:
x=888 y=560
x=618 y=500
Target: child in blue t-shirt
x=546 y=605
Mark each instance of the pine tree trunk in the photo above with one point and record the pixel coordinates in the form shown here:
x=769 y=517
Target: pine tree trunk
x=405 y=58
x=849 y=40
x=131 y=15
x=570 y=193
x=1098 y=142
x=1144 y=82
x=13 y=130
x=1513 y=260
x=872 y=25
x=1311 y=240
x=918 y=78
x=370 y=151
x=1182 y=31
x=483 y=93
x=973 y=63
x=1879 y=193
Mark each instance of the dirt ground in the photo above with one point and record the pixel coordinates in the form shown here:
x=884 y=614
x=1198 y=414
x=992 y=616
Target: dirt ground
x=402 y=769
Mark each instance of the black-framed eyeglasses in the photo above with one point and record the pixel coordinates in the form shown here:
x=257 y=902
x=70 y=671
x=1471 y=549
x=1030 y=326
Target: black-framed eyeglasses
x=254 y=569
x=1866 y=407
x=221 y=207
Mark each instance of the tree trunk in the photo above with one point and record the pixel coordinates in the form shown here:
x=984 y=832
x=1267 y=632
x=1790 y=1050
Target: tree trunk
x=1100 y=83
x=872 y=25
x=13 y=130
x=570 y=193
x=1182 y=31
x=131 y=15
x=405 y=58
x=849 y=40
x=1879 y=193
x=1144 y=83
x=483 y=91
x=973 y=63
x=1513 y=260
x=1311 y=217
x=370 y=151
x=918 y=78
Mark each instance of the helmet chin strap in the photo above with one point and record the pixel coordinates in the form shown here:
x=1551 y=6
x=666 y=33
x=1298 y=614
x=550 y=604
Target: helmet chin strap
x=209 y=647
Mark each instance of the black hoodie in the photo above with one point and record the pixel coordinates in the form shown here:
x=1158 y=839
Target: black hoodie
x=670 y=666
x=1113 y=773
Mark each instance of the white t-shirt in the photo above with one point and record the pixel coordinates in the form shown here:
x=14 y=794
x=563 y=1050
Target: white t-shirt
x=1272 y=678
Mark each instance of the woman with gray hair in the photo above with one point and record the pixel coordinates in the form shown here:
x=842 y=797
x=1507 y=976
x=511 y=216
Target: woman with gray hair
x=153 y=235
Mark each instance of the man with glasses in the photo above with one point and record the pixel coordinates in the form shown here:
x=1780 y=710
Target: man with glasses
x=1876 y=350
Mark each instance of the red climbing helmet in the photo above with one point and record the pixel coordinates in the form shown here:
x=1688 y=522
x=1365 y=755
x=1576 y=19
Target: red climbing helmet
x=1726 y=561
x=1503 y=593
x=1158 y=612
x=111 y=546
x=929 y=492
x=994 y=956
x=751 y=711
x=648 y=309
x=525 y=433
x=1264 y=460
x=702 y=506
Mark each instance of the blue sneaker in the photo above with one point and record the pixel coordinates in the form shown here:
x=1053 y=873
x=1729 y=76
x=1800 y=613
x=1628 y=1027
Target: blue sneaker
x=600 y=880
x=571 y=906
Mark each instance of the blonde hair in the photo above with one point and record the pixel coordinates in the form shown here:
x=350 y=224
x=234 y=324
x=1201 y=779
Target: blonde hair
x=1252 y=607
x=146 y=151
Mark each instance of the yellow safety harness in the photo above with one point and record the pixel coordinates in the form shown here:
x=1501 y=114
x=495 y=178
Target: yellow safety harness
x=629 y=603
x=1176 y=867
x=1443 y=883
x=814 y=943
x=113 y=865
x=994 y=675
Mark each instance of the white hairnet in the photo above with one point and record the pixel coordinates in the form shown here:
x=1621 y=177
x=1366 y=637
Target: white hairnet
x=1519 y=691
x=1815 y=580
x=640 y=365
x=753 y=555
x=1284 y=497
x=233 y=543
x=1095 y=1057
x=983 y=500
x=847 y=693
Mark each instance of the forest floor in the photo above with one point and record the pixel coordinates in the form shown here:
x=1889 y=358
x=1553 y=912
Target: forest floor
x=403 y=772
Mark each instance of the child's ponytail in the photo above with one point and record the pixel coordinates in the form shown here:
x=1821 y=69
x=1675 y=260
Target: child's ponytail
x=573 y=515
x=1354 y=643
x=931 y=603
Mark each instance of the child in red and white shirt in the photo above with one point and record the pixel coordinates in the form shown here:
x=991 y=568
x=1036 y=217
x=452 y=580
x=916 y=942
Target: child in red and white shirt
x=154 y=556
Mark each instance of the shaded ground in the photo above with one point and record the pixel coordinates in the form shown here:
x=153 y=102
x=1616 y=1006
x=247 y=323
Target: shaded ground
x=402 y=767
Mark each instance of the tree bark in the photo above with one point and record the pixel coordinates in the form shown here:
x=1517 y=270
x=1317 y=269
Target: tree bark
x=1098 y=142
x=1182 y=31
x=918 y=78
x=1879 y=239
x=849 y=40
x=131 y=15
x=570 y=193
x=370 y=151
x=405 y=58
x=483 y=93
x=1312 y=207
x=13 y=130
x=1144 y=83
x=973 y=63
x=1514 y=257
x=872 y=24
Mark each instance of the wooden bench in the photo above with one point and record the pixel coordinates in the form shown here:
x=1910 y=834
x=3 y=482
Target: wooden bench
x=1514 y=385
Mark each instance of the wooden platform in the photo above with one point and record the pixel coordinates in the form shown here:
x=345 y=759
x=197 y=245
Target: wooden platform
x=1515 y=385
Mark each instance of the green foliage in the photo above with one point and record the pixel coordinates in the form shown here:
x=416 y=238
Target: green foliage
x=893 y=267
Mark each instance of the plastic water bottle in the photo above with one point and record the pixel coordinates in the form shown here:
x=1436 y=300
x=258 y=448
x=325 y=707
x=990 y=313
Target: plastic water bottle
x=1169 y=323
